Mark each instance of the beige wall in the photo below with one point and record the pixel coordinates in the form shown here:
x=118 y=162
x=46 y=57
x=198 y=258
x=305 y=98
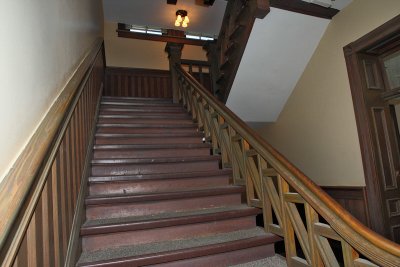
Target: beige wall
x=41 y=44
x=317 y=130
x=134 y=53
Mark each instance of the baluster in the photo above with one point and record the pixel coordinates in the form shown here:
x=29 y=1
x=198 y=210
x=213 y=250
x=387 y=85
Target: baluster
x=312 y=218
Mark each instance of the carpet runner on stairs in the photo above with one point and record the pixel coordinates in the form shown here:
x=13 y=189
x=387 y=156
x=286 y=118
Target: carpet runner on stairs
x=157 y=196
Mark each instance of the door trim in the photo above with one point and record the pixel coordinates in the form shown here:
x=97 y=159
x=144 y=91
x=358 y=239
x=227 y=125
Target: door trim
x=370 y=42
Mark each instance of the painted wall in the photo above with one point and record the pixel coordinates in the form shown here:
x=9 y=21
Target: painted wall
x=135 y=53
x=317 y=130
x=41 y=44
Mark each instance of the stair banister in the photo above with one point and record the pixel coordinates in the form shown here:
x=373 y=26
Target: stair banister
x=276 y=185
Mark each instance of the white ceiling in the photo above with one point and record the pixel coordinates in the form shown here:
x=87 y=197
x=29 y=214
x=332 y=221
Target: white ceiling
x=276 y=55
x=157 y=13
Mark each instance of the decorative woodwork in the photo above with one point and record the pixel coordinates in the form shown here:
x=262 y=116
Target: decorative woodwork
x=160 y=38
x=200 y=70
x=174 y=51
x=225 y=55
x=293 y=206
x=131 y=82
x=353 y=199
x=39 y=197
x=378 y=151
x=302 y=7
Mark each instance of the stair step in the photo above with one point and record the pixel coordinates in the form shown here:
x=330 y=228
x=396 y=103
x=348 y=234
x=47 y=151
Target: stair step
x=196 y=251
x=103 y=167
x=165 y=226
x=274 y=261
x=124 y=205
x=136 y=99
x=142 y=112
x=121 y=139
x=146 y=128
x=131 y=184
x=147 y=121
x=144 y=108
x=112 y=103
x=150 y=150
x=148 y=115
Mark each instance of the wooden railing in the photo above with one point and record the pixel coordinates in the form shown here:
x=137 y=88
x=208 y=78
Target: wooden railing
x=40 y=199
x=199 y=70
x=294 y=207
x=225 y=55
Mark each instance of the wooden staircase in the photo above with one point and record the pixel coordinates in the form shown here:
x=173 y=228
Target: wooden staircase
x=158 y=197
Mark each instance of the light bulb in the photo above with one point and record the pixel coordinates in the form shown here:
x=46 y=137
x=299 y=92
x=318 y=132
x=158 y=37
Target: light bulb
x=179 y=18
x=186 y=20
x=177 y=24
x=184 y=24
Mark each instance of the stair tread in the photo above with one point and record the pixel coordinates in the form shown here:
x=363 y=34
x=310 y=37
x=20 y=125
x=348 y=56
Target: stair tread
x=200 y=245
x=137 y=98
x=156 y=176
x=150 y=135
x=106 y=224
x=161 y=195
x=144 y=116
x=140 y=103
x=274 y=261
x=150 y=146
x=145 y=125
x=153 y=160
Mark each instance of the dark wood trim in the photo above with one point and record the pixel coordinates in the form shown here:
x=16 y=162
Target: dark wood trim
x=305 y=8
x=366 y=139
x=159 y=38
x=353 y=199
x=74 y=249
x=137 y=82
x=172 y=2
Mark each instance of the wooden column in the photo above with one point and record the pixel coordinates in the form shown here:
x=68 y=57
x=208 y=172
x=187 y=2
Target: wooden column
x=174 y=51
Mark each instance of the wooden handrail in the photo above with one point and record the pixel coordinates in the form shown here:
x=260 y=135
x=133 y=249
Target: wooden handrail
x=361 y=239
x=22 y=189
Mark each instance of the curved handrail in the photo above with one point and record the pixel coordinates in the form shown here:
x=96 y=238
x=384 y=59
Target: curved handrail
x=370 y=244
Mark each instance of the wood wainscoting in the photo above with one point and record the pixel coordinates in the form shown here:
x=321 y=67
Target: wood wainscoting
x=132 y=82
x=353 y=199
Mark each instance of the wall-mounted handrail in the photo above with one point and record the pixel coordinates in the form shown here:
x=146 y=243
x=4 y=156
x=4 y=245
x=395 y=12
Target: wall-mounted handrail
x=277 y=186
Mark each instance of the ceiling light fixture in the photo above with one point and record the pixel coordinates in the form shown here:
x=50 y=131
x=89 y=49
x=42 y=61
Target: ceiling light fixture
x=182 y=17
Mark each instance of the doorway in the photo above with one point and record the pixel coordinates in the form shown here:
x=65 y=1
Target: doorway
x=373 y=64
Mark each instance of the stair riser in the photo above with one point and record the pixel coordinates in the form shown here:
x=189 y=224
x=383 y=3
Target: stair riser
x=147 y=140
x=128 y=130
x=143 y=112
x=161 y=107
x=220 y=260
x=134 y=169
x=157 y=185
x=155 y=207
x=150 y=153
x=147 y=120
x=95 y=242
x=109 y=103
x=137 y=99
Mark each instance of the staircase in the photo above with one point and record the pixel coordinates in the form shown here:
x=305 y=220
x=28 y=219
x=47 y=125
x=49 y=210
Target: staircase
x=158 y=197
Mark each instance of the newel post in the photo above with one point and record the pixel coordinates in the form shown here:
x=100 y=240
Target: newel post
x=174 y=51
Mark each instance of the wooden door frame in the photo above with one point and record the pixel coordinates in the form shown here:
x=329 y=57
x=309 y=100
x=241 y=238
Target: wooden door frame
x=375 y=204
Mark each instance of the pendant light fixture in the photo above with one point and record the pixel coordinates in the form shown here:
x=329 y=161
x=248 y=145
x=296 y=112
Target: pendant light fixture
x=182 y=18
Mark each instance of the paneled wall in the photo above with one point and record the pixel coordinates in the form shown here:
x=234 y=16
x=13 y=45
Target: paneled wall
x=352 y=198
x=42 y=231
x=130 y=82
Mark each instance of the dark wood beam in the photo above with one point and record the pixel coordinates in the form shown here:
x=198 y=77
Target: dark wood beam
x=172 y=2
x=302 y=7
x=209 y=2
x=159 y=38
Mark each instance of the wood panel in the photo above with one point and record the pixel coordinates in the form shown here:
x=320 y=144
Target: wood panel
x=352 y=198
x=40 y=234
x=131 y=82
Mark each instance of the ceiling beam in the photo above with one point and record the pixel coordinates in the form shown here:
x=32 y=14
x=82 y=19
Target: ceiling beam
x=302 y=7
x=209 y=2
x=160 y=38
x=172 y=2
